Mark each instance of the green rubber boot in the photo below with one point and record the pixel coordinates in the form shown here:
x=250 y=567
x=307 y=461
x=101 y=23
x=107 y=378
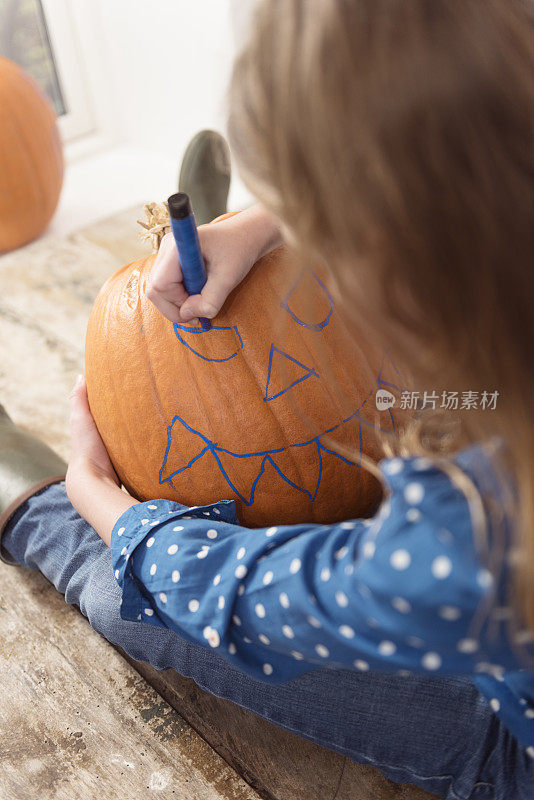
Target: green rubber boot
x=205 y=175
x=26 y=465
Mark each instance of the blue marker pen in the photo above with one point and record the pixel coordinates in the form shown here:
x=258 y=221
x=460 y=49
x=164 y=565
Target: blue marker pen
x=185 y=234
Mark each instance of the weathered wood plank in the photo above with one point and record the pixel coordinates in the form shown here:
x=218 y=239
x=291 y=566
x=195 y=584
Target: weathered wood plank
x=48 y=289
x=273 y=760
x=76 y=721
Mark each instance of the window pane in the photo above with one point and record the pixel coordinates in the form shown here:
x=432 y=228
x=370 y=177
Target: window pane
x=24 y=39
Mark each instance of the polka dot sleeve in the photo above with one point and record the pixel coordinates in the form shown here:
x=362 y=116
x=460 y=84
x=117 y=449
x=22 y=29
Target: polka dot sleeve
x=398 y=593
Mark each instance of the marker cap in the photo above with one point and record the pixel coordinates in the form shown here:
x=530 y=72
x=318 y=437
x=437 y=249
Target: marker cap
x=179 y=205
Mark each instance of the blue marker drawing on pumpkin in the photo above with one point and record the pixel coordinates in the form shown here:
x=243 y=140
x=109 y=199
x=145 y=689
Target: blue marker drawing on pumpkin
x=308 y=372
x=314 y=326
x=267 y=456
x=214 y=328
x=210 y=449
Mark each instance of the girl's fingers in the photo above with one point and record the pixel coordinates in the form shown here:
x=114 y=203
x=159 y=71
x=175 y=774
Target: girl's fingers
x=79 y=380
x=210 y=301
x=78 y=395
x=81 y=419
x=167 y=291
x=167 y=264
x=166 y=307
x=87 y=447
x=165 y=288
x=79 y=402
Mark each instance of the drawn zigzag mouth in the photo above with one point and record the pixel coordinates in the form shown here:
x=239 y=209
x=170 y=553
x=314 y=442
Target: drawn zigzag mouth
x=223 y=458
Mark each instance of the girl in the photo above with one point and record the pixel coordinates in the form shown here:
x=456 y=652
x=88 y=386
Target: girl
x=392 y=139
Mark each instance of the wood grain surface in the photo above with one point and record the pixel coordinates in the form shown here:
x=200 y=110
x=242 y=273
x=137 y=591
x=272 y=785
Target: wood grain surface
x=78 y=723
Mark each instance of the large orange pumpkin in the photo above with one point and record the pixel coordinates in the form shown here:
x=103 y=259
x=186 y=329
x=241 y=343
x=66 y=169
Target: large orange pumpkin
x=243 y=411
x=31 y=160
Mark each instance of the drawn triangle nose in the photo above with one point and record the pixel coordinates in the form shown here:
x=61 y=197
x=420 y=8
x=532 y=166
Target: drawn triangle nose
x=284 y=372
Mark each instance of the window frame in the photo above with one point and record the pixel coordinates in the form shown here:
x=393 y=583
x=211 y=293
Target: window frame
x=80 y=119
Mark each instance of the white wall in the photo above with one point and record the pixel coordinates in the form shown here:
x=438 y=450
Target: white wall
x=168 y=64
x=155 y=72
x=169 y=61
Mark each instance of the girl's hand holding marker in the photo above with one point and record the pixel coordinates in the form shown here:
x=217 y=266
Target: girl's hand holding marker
x=230 y=249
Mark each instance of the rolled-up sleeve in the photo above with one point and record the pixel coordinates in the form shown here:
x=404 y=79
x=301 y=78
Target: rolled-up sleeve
x=396 y=593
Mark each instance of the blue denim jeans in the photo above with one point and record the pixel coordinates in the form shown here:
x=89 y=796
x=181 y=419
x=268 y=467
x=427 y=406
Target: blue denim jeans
x=436 y=733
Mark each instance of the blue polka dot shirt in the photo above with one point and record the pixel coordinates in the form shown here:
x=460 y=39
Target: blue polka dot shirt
x=408 y=591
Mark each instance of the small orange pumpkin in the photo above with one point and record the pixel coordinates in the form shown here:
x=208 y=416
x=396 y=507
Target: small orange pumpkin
x=243 y=411
x=31 y=159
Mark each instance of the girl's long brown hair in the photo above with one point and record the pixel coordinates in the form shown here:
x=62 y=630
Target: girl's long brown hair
x=395 y=139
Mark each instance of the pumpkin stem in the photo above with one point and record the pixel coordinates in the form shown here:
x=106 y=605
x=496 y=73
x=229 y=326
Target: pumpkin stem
x=156 y=224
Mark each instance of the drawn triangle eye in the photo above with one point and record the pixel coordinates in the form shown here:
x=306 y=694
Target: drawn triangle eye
x=309 y=302
x=283 y=373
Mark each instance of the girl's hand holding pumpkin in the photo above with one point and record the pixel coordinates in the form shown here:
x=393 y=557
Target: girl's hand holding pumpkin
x=91 y=482
x=230 y=248
x=88 y=453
